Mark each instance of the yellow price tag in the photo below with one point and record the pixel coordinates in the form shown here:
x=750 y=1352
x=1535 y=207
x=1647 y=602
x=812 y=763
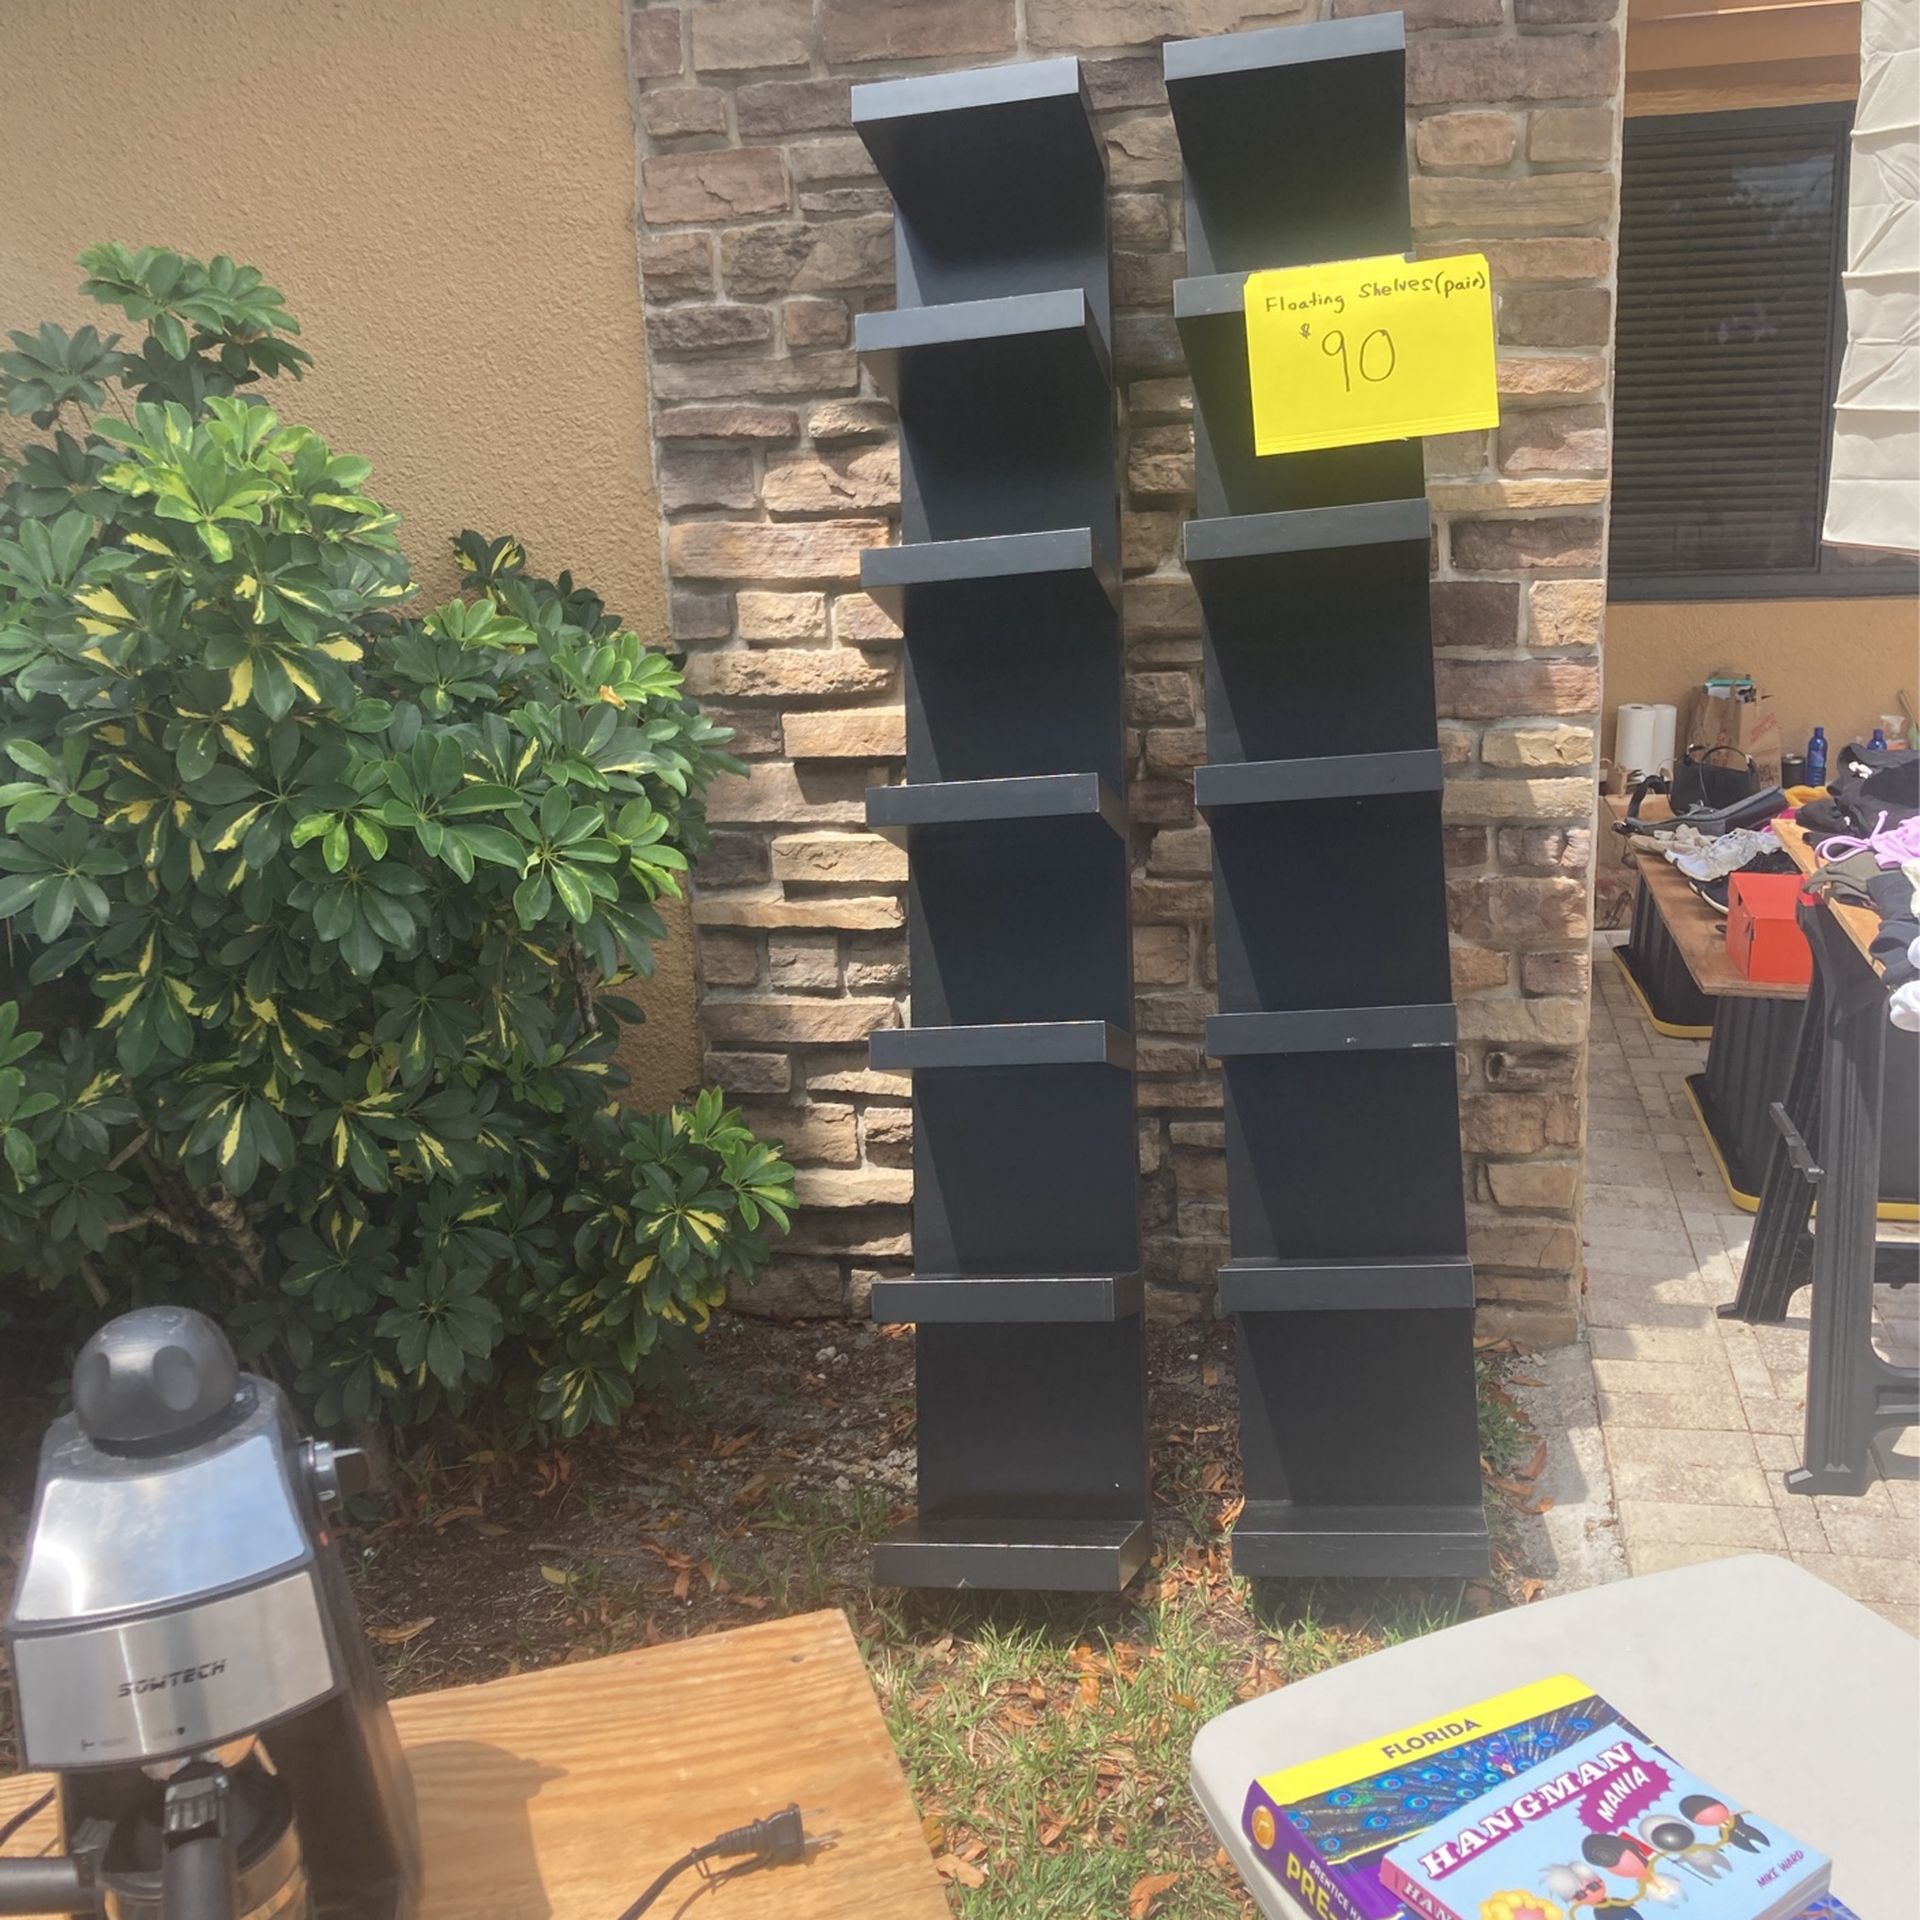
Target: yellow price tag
x=1362 y=350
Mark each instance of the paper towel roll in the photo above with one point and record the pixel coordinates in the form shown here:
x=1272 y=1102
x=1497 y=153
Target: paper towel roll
x=1643 y=737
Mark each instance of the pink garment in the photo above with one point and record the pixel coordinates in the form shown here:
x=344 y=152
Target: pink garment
x=1890 y=846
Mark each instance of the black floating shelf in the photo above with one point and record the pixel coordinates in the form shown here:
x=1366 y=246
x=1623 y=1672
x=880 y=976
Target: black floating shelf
x=1348 y=1280
x=903 y=813
x=1063 y=1557
x=1289 y=141
x=1313 y=1286
x=1265 y=49
x=1274 y=1539
x=1252 y=539
x=1048 y=1043
x=998 y=182
x=1347 y=776
x=897 y=576
x=959 y=1298
x=1059 y=323
x=1029 y=1351
x=1331 y=1030
x=1210 y=296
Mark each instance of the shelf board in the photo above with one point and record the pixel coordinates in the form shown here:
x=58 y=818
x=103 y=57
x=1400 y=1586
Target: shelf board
x=1013 y=323
x=1045 y=99
x=1348 y=776
x=893 y=575
x=1036 y=1043
x=1274 y=1537
x=899 y=813
x=997 y=1298
x=1331 y=1030
x=1248 y=539
x=1268 y=47
x=1337 y=1286
x=1210 y=296
x=1061 y=1556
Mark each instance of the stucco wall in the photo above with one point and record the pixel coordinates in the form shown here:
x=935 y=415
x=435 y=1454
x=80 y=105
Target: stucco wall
x=1832 y=663
x=444 y=192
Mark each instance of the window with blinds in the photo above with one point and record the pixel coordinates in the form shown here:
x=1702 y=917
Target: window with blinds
x=1727 y=349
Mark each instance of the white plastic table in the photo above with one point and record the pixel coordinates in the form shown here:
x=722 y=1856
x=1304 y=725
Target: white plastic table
x=1796 y=1700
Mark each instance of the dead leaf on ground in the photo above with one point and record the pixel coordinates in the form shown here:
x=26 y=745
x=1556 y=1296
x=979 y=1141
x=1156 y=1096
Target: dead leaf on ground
x=1530 y=1590
x=949 y=1866
x=400 y=1635
x=1144 y=1897
x=1089 y=1689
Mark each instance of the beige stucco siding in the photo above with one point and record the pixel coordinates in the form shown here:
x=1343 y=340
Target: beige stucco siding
x=1837 y=664
x=443 y=189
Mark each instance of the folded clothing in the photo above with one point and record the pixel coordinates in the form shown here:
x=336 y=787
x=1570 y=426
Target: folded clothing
x=1872 y=790
x=1891 y=846
x=1861 y=881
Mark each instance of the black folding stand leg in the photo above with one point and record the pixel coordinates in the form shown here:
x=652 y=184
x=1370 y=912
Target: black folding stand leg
x=1777 y=1262
x=1852 y=1394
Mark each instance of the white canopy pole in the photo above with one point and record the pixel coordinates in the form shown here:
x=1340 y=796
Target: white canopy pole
x=1873 y=499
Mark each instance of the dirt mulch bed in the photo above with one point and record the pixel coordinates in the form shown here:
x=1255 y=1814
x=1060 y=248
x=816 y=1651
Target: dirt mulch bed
x=758 y=1491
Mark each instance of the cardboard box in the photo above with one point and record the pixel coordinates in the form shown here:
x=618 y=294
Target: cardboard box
x=1764 y=940
x=1721 y=719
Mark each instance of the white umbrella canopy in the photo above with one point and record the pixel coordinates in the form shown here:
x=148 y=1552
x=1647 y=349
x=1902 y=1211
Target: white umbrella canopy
x=1873 y=498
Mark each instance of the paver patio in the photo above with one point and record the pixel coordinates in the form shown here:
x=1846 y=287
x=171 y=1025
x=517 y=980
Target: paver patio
x=1700 y=1416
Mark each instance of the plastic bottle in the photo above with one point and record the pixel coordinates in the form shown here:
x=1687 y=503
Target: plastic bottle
x=1817 y=758
x=1878 y=742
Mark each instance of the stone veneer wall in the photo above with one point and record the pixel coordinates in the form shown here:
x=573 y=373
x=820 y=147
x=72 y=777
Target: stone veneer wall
x=763 y=228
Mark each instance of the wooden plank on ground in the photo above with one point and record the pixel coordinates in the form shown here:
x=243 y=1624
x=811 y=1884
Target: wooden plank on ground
x=558 y=1795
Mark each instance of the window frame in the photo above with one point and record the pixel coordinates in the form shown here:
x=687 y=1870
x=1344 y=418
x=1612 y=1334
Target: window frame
x=1826 y=579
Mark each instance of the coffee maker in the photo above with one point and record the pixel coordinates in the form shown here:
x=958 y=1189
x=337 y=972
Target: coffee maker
x=187 y=1657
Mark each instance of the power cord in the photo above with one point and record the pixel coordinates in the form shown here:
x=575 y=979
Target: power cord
x=777 y=1841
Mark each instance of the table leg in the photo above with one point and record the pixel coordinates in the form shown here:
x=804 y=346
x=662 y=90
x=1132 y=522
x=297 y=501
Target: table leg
x=1852 y=1394
x=1776 y=1266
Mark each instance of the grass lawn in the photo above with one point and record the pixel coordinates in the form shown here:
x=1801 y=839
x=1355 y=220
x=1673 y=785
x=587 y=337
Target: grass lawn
x=1045 y=1738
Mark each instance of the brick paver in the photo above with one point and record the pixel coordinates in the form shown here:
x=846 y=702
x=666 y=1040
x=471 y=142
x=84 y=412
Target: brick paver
x=1703 y=1417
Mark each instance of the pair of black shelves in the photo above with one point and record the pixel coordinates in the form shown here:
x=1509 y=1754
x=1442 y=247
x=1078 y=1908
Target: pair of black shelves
x=1349 y=1280
x=1026 y=1295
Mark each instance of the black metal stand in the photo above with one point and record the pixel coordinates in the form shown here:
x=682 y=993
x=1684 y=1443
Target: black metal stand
x=1828 y=1148
x=1349 y=1281
x=1026 y=1294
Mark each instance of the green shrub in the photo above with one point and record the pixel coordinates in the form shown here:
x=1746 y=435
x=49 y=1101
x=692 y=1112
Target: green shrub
x=322 y=906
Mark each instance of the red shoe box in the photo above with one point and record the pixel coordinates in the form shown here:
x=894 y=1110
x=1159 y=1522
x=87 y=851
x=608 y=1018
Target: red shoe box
x=1763 y=939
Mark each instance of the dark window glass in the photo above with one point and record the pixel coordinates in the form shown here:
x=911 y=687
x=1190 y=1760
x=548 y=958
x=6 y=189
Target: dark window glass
x=1728 y=346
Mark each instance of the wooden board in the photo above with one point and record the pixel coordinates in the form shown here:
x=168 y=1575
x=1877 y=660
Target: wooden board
x=559 y=1795
x=1697 y=930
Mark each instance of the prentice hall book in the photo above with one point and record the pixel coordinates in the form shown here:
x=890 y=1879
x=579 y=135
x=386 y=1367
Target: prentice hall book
x=1612 y=1827
x=1324 y=1827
